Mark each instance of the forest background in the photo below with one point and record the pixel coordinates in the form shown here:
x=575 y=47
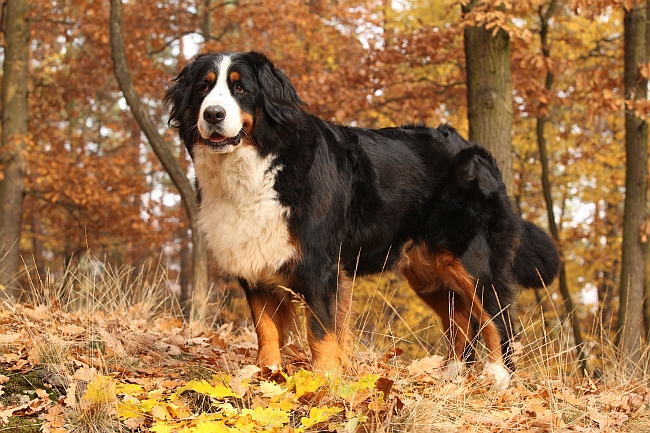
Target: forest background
x=96 y=196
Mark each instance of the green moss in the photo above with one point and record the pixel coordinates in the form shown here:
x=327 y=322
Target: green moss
x=20 y=384
x=19 y=389
x=22 y=424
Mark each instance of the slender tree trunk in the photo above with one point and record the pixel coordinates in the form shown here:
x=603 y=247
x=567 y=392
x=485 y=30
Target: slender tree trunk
x=163 y=152
x=489 y=93
x=646 y=301
x=206 y=26
x=630 y=317
x=15 y=135
x=607 y=285
x=37 y=248
x=542 y=119
x=646 y=278
x=184 y=280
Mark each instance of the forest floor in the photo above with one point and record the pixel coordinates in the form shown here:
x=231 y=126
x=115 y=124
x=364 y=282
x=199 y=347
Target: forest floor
x=115 y=365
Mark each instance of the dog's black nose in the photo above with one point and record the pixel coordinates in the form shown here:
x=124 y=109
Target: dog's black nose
x=214 y=114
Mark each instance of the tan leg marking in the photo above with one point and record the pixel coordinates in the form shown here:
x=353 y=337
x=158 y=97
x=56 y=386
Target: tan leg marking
x=273 y=318
x=432 y=275
x=330 y=354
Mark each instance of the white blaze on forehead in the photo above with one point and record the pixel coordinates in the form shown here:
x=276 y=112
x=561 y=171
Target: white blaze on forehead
x=220 y=95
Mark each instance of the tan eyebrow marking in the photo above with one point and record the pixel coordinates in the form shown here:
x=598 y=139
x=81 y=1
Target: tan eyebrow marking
x=211 y=77
x=234 y=76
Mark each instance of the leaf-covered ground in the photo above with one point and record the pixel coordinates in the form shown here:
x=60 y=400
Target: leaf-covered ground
x=136 y=371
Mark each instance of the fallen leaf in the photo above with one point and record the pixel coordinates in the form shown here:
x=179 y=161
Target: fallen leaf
x=426 y=365
x=318 y=415
x=270 y=389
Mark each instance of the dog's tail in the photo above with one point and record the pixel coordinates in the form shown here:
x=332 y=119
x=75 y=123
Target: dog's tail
x=537 y=260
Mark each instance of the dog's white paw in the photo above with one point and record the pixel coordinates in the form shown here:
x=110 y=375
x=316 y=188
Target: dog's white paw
x=500 y=373
x=454 y=368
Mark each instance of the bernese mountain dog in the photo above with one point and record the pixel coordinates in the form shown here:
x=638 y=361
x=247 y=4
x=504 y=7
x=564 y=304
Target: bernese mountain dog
x=292 y=205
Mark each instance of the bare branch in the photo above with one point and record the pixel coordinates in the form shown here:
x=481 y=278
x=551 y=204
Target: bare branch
x=160 y=147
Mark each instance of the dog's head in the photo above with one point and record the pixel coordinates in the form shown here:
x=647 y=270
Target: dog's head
x=228 y=99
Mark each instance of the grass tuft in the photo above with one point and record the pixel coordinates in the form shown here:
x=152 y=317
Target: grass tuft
x=104 y=336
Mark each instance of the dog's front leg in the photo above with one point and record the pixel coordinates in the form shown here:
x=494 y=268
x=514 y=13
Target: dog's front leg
x=273 y=316
x=328 y=304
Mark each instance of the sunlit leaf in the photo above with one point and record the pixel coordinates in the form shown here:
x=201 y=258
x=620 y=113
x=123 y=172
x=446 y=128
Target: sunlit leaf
x=267 y=417
x=162 y=428
x=101 y=390
x=126 y=410
x=204 y=387
x=366 y=382
x=304 y=382
x=270 y=389
x=129 y=388
x=318 y=415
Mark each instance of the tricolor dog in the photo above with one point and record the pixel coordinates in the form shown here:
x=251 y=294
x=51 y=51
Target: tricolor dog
x=290 y=200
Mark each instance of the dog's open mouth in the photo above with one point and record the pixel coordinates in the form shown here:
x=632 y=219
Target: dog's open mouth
x=217 y=142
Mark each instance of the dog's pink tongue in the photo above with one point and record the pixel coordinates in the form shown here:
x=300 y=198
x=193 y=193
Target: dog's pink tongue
x=217 y=138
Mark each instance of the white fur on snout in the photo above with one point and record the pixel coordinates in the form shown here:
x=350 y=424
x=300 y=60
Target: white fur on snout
x=220 y=95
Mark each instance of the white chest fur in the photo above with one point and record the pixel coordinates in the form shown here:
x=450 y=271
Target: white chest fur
x=245 y=225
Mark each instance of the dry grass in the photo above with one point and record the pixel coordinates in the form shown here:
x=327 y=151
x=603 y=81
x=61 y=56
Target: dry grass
x=86 y=317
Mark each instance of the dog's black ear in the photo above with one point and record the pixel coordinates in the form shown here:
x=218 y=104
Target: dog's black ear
x=178 y=96
x=277 y=96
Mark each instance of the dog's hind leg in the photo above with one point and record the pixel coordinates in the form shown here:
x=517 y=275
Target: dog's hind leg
x=427 y=272
x=429 y=287
x=456 y=322
x=496 y=300
x=273 y=317
x=491 y=278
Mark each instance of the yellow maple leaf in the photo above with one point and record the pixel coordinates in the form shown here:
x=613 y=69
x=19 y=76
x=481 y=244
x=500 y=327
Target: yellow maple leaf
x=129 y=388
x=267 y=417
x=305 y=382
x=162 y=428
x=102 y=389
x=148 y=404
x=126 y=410
x=204 y=387
x=270 y=389
x=283 y=402
x=209 y=427
x=318 y=415
x=348 y=390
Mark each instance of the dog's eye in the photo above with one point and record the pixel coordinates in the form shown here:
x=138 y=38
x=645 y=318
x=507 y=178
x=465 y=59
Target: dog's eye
x=239 y=88
x=204 y=88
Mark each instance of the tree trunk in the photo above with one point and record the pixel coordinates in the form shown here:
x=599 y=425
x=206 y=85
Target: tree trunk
x=206 y=25
x=489 y=93
x=15 y=135
x=646 y=301
x=606 y=291
x=607 y=276
x=646 y=278
x=37 y=248
x=545 y=17
x=163 y=152
x=185 y=297
x=630 y=317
